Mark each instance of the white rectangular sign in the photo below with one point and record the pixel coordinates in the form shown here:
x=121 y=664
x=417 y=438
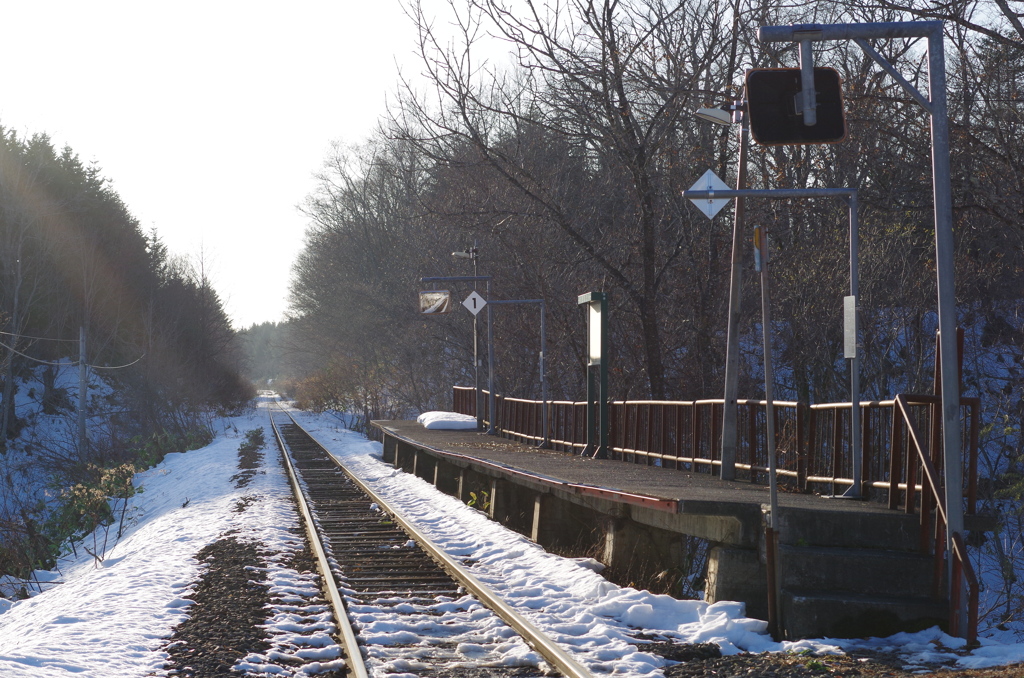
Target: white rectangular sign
x=850 y=327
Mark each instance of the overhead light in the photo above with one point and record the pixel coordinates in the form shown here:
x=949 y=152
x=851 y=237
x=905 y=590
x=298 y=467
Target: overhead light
x=719 y=116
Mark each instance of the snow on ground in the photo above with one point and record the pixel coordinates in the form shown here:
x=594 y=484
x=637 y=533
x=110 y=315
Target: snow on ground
x=593 y=617
x=19 y=467
x=111 y=619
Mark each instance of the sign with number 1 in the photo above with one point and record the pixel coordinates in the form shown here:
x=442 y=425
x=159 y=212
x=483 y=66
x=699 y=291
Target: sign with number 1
x=475 y=303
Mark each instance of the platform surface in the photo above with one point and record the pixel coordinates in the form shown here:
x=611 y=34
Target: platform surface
x=683 y=487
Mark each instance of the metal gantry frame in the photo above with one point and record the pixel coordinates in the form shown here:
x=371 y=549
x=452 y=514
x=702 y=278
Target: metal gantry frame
x=849 y=196
x=935 y=105
x=490 y=347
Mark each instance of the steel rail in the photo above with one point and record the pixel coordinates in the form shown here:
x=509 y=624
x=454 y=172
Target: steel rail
x=536 y=638
x=354 y=663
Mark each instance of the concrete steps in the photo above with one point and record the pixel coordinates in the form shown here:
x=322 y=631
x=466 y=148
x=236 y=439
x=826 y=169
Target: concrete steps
x=870 y=572
x=837 y=586
x=809 y=613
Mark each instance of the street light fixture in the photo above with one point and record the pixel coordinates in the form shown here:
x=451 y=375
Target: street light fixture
x=719 y=116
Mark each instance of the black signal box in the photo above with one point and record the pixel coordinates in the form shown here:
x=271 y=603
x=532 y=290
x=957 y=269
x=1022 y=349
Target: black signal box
x=772 y=107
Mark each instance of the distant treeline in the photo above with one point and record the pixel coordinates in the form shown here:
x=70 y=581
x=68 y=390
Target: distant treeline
x=73 y=257
x=160 y=353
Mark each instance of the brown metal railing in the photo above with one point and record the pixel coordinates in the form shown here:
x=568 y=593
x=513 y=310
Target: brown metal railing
x=813 y=448
x=887 y=470
x=568 y=421
x=812 y=443
x=678 y=435
x=687 y=435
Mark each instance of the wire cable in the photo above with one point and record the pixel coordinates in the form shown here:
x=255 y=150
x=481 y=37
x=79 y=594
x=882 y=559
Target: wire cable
x=74 y=363
x=25 y=336
x=42 y=362
x=118 y=367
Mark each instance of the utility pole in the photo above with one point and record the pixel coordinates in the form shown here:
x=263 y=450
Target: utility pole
x=474 y=254
x=83 y=392
x=732 y=349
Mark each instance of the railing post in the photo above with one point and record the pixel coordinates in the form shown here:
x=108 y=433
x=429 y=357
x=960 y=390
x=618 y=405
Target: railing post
x=624 y=409
x=648 y=431
x=635 y=442
x=912 y=462
x=938 y=561
x=895 y=457
x=679 y=433
x=532 y=411
x=499 y=412
x=972 y=468
x=569 y=424
x=865 y=446
x=695 y=431
x=560 y=424
x=520 y=418
x=837 y=445
x=812 y=440
x=801 y=445
x=581 y=424
x=615 y=412
x=716 y=428
x=662 y=431
x=752 y=440
x=519 y=414
x=776 y=428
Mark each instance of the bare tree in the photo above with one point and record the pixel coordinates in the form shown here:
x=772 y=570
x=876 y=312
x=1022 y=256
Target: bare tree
x=606 y=83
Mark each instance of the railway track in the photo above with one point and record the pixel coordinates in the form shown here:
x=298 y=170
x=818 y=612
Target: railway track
x=403 y=606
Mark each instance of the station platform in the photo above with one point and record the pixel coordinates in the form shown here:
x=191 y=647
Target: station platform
x=669 y=490
x=633 y=518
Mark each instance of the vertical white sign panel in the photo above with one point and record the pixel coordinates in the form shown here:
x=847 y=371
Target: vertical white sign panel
x=594 y=323
x=850 y=327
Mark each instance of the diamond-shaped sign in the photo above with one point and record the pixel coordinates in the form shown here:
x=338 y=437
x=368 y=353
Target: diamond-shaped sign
x=474 y=302
x=710 y=206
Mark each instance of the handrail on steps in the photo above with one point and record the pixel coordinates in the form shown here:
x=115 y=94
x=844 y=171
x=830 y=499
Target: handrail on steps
x=962 y=569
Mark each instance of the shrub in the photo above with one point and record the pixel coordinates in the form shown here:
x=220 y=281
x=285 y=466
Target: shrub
x=254 y=441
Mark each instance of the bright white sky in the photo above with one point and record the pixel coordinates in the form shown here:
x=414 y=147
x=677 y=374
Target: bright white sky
x=209 y=117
